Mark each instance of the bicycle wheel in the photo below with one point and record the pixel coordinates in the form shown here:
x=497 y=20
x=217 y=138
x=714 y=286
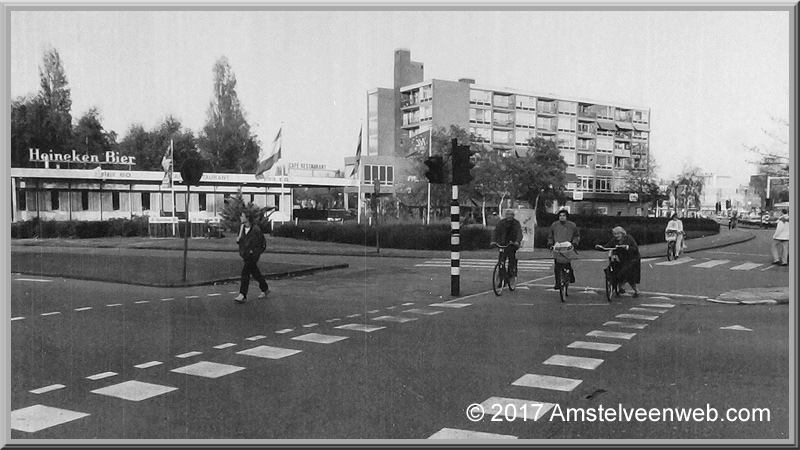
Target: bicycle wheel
x=511 y=282
x=497 y=279
x=609 y=285
x=563 y=288
x=670 y=250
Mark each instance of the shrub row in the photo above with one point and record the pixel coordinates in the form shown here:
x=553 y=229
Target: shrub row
x=79 y=229
x=475 y=237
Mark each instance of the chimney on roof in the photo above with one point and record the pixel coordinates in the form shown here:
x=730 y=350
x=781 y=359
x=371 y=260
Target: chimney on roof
x=466 y=80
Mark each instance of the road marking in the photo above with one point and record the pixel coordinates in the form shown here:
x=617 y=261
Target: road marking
x=353 y=315
x=397 y=319
x=255 y=338
x=16 y=318
x=636 y=316
x=100 y=376
x=638 y=326
x=594 y=346
x=675 y=261
x=332 y=320
x=658 y=305
x=373 y=311
x=610 y=334
x=768 y=267
x=134 y=390
x=142 y=301
x=455 y=433
x=167 y=299
x=746 y=266
x=657 y=311
x=408 y=304
x=309 y=325
x=359 y=327
x=42 y=390
x=85 y=308
x=426 y=312
x=547 y=382
x=214 y=295
x=192 y=296
x=451 y=305
x=187 y=355
x=514 y=408
x=225 y=345
x=148 y=364
x=712 y=263
x=319 y=338
x=207 y=369
x=284 y=331
x=50 y=313
x=114 y=304
x=735 y=253
x=33 y=279
x=573 y=361
x=735 y=328
x=265 y=351
x=38 y=417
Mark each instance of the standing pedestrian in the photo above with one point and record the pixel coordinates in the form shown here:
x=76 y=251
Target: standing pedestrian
x=733 y=220
x=780 y=240
x=251 y=245
x=563 y=230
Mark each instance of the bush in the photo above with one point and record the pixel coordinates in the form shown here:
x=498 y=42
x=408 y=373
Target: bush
x=138 y=226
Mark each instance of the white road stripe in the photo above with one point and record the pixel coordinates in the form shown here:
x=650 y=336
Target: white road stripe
x=451 y=305
x=255 y=338
x=167 y=299
x=33 y=279
x=16 y=318
x=42 y=390
x=547 y=382
x=359 y=327
x=573 y=361
x=746 y=266
x=638 y=326
x=142 y=301
x=214 y=295
x=455 y=433
x=187 y=355
x=656 y=311
x=148 y=364
x=309 y=325
x=610 y=334
x=114 y=304
x=426 y=312
x=225 y=345
x=85 y=308
x=50 y=313
x=319 y=338
x=658 y=305
x=635 y=316
x=594 y=346
x=397 y=319
x=712 y=263
x=675 y=261
x=134 y=391
x=514 y=409
x=38 y=417
x=100 y=376
x=265 y=351
x=284 y=331
x=192 y=296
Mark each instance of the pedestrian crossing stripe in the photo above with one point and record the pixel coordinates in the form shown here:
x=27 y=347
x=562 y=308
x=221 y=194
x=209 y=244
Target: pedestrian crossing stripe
x=657 y=311
x=45 y=389
x=455 y=433
x=38 y=417
x=451 y=305
x=675 y=261
x=658 y=305
x=226 y=345
x=187 y=355
x=594 y=346
x=319 y=338
x=134 y=390
x=148 y=364
x=547 y=382
x=426 y=312
x=100 y=376
x=397 y=319
x=513 y=409
x=712 y=263
x=265 y=351
x=636 y=316
x=573 y=361
x=207 y=369
x=746 y=266
x=359 y=327
x=638 y=326
x=610 y=334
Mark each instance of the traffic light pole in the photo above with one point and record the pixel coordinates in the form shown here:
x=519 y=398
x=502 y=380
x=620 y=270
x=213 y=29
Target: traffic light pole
x=455 y=238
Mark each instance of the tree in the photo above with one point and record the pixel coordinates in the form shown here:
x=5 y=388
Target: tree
x=773 y=155
x=641 y=179
x=226 y=141
x=90 y=138
x=235 y=206
x=540 y=174
x=55 y=96
x=149 y=147
x=689 y=188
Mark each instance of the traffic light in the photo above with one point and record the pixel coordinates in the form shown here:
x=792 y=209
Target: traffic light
x=462 y=164
x=435 y=173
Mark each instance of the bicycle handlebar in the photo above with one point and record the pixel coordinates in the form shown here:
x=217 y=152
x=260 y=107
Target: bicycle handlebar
x=600 y=247
x=503 y=246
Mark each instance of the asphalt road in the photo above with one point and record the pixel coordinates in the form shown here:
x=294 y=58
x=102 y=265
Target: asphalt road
x=410 y=360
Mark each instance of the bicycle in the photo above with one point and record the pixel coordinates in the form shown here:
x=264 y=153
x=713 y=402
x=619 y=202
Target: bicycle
x=672 y=241
x=563 y=252
x=500 y=275
x=610 y=271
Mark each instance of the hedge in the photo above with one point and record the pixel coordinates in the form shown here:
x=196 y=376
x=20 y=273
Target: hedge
x=138 y=226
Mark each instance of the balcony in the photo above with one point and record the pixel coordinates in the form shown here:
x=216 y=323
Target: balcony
x=586 y=114
x=589 y=147
x=622 y=135
x=622 y=152
x=590 y=131
x=547 y=108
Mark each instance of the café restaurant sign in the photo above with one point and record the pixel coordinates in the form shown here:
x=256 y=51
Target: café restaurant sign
x=85 y=158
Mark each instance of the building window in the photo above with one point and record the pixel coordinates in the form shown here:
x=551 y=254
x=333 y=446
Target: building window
x=567 y=108
x=585 y=183
x=385 y=174
x=546 y=106
x=502 y=101
x=54 y=200
x=603 y=184
x=201 y=201
x=523 y=135
x=586 y=145
x=546 y=124
x=604 y=112
x=640 y=135
x=622 y=115
x=583 y=160
x=426 y=112
x=145 y=201
x=642 y=117
x=502 y=119
x=525 y=119
x=22 y=203
x=501 y=137
x=604 y=162
x=425 y=93
x=620 y=163
x=605 y=145
x=85 y=200
x=566 y=142
x=481 y=134
x=622 y=146
x=566 y=124
x=588 y=128
x=525 y=102
x=115 y=201
x=480 y=97
x=480 y=116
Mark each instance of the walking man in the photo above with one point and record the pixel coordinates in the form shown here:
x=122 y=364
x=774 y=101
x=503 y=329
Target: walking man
x=780 y=240
x=251 y=245
x=563 y=230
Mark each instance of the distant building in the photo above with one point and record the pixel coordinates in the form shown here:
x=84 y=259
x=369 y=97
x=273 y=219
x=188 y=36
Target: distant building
x=599 y=140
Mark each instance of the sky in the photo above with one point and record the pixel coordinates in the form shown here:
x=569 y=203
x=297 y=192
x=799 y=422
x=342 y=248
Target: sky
x=712 y=79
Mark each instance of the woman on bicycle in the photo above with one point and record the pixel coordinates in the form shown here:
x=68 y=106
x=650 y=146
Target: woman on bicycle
x=630 y=261
x=509 y=231
x=675 y=225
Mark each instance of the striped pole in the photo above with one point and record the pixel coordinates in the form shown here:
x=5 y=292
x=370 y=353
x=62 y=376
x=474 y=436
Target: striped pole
x=455 y=256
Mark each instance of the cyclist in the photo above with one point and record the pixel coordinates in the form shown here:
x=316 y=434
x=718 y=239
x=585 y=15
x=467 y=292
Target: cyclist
x=676 y=226
x=563 y=230
x=509 y=231
x=630 y=261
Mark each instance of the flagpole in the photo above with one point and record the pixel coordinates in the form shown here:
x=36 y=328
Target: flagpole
x=172 y=184
x=430 y=144
x=358 y=172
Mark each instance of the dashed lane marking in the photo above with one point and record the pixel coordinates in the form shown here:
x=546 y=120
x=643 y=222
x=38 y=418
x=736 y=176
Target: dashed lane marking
x=148 y=364
x=45 y=389
x=284 y=331
x=134 y=390
x=255 y=338
x=33 y=279
x=38 y=417
x=214 y=295
x=114 y=304
x=142 y=301
x=265 y=351
x=309 y=325
x=514 y=408
x=408 y=304
x=636 y=316
x=594 y=346
x=100 y=376
x=638 y=326
x=192 y=296
x=547 y=382
x=167 y=299
x=208 y=369
x=397 y=319
x=50 y=313
x=359 y=327
x=451 y=305
x=319 y=338
x=16 y=318
x=332 y=320
x=85 y=308
x=455 y=433
x=351 y=316
x=188 y=355
x=610 y=334
x=373 y=311
x=426 y=312
x=573 y=361
x=225 y=345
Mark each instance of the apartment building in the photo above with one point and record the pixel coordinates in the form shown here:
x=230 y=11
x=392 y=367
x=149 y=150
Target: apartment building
x=599 y=140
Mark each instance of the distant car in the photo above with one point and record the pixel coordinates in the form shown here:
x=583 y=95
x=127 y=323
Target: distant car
x=341 y=215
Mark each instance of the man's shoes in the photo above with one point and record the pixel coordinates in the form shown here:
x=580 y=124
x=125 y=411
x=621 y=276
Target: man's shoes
x=263 y=294
x=512 y=282
x=620 y=291
x=555 y=288
x=240 y=298
x=777 y=263
x=785 y=264
x=635 y=294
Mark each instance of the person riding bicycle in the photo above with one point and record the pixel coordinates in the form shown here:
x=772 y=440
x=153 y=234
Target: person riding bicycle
x=563 y=230
x=509 y=231
x=675 y=226
x=629 y=269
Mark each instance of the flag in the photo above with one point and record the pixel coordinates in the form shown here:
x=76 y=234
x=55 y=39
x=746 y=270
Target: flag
x=166 y=163
x=358 y=154
x=266 y=161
